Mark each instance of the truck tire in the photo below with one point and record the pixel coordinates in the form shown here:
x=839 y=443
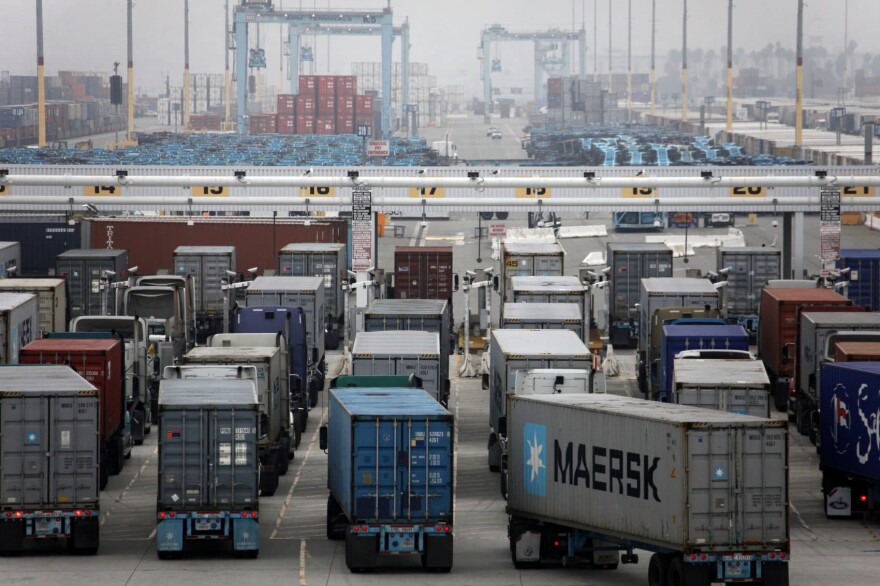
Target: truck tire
x=487 y=215
x=115 y=455
x=503 y=477
x=780 y=397
x=657 y=570
x=282 y=458
x=139 y=415
x=502 y=215
x=337 y=523
x=268 y=480
x=674 y=574
x=105 y=476
x=494 y=456
x=775 y=573
x=801 y=417
x=297 y=430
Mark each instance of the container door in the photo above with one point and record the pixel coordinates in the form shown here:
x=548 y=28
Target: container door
x=426 y=368
x=92 y=286
x=214 y=267
x=376 y=464
x=77 y=283
x=189 y=266
x=234 y=447
x=625 y=278
x=547 y=266
x=74 y=462
x=767 y=267
x=426 y=478
x=183 y=478
x=23 y=446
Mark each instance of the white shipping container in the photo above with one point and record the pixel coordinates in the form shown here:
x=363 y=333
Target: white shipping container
x=51 y=300
x=735 y=386
x=19 y=324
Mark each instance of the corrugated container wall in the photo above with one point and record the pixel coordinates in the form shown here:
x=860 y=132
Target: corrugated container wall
x=424 y=315
x=42 y=240
x=529 y=259
x=678 y=338
x=208 y=264
x=327 y=261
x=83 y=269
x=423 y=272
x=10 y=259
x=749 y=270
x=735 y=386
x=19 y=324
x=629 y=264
x=856 y=351
x=658 y=293
x=51 y=300
x=304 y=292
x=864 y=276
x=543 y=316
x=402 y=353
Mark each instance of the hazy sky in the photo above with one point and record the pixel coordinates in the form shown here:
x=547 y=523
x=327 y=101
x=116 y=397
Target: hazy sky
x=88 y=35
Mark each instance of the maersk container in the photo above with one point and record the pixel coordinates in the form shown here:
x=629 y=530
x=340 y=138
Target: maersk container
x=51 y=300
x=706 y=490
x=513 y=351
x=10 y=259
x=529 y=259
x=84 y=269
x=748 y=271
x=629 y=263
x=49 y=455
x=209 y=473
x=678 y=338
x=403 y=353
x=304 y=292
x=543 y=316
x=390 y=458
x=551 y=290
x=101 y=362
x=425 y=315
x=325 y=260
x=848 y=455
x=864 y=276
x=19 y=324
x=737 y=386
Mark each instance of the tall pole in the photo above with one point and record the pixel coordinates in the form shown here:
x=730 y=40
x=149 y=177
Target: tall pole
x=684 y=63
x=130 y=74
x=846 y=45
x=228 y=99
x=729 y=66
x=629 y=51
x=653 y=54
x=610 y=83
x=595 y=40
x=41 y=78
x=186 y=95
x=799 y=100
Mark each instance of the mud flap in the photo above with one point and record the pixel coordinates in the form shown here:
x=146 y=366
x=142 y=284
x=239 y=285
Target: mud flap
x=85 y=535
x=245 y=535
x=438 y=552
x=11 y=536
x=361 y=551
x=169 y=535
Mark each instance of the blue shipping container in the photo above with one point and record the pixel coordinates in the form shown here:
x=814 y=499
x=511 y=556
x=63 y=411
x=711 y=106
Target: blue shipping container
x=677 y=338
x=390 y=456
x=864 y=276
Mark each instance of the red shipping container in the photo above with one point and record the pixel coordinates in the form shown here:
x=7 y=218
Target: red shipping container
x=308 y=85
x=423 y=272
x=286 y=124
x=326 y=106
x=305 y=105
x=305 y=124
x=287 y=104
x=99 y=361
x=263 y=123
x=345 y=105
x=344 y=124
x=325 y=126
x=363 y=105
x=326 y=86
x=346 y=85
x=857 y=351
x=554 y=85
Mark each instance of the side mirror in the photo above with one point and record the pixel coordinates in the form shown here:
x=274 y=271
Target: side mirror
x=496 y=282
x=485 y=381
x=502 y=426
x=455 y=284
x=322 y=437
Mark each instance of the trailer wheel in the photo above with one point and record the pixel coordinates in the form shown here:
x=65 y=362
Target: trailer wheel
x=282 y=460
x=105 y=476
x=775 y=573
x=494 y=453
x=337 y=523
x=139 y=415
x=268 y=480
x=674 y=575
x=657 y=569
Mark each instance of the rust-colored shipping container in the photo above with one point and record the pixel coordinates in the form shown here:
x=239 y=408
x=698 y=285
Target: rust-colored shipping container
x=344 y=124
x=363 y=105
x=327 y=86
x=286 y=104
x=423 y=272
x=151 y=241
x=346 y=85
x=325 y=125
x=345 y=105
x=305 y=124
x=286 y=124
x=326 y=106
x=857 y=351
x=308 y=85
x=263 y=123
x=777 y=329
x=305 y=105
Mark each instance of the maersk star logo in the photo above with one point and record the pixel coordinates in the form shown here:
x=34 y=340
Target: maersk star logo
x=32 y=438
x=719 y=473
x=534 y=455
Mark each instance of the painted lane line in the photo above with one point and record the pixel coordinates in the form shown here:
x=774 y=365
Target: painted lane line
x=296 y=478
x=302 y=563
x=105 y=515
x=802 y=522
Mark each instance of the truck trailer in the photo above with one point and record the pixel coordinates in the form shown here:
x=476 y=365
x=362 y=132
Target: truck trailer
x=737 y=386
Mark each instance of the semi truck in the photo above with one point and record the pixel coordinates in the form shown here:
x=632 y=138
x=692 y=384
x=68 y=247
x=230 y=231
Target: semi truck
x=746 y=270
x=390 y=458
x=737 y=386
x=206 y=267
x=49 y=455
x=209 y=472
x=593 y=474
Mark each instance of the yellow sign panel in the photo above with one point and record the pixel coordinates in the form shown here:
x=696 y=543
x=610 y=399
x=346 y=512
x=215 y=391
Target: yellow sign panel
x=420 y=192
x=533 y=192
x=210 y=191
x=317 y=192
x=646 y=192
x=853 y=191
x=109 y=190
x=512 y=263
x=5 y=189
x=750 y=191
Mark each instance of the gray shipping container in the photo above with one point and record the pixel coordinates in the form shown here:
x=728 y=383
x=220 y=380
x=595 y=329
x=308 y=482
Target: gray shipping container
x=749 y=269
x=19 y=324
x=529 y=259
x=208 y=265
x=402 y=353
x=736 y=386
x=551 y=290
x=83 y=267
x=543 y=316
x=51 y=300
x=657 y=293
x=630 y=262
x=10 y=259
x=669 y=476
x=306 y=293
x=520 y=350
x=425 y=315
x=49 y=448
x=325 y=260
x=208 y=444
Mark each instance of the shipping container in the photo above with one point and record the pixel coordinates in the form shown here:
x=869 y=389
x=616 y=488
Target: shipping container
x=629 y=263
x=88 y=272
x=748 y=269
x=327 y=261
x=426 y=315
x=376 y=382
x=51 y=301
x=305 y=124
x=101 y=362
x=676 y=338
x=209 y=473
x=308 y=85
x=390 y=459
x=207 y=267
x=19 y=324
x=863 y=276
x=10 y=259
x=423 y=272
x=151 y=241
x=848 y=434
x=856 y=351
x=513 y=351
x=49 y=454
x=704 y=489
x=529 y=259
x=736 y=386
x=777 y=331
x=403 y=353
x=286 y=104
x=544 y=316
x=552 y=289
